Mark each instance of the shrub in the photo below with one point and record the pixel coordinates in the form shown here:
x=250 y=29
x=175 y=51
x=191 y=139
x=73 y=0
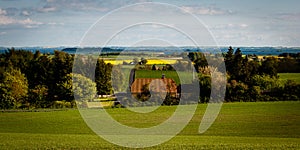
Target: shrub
x=62 y=104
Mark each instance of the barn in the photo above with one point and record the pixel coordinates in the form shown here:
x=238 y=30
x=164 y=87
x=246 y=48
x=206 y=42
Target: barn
x=155 y=85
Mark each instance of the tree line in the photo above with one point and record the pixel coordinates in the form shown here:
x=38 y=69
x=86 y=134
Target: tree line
x=35 y=80
x=249 y=79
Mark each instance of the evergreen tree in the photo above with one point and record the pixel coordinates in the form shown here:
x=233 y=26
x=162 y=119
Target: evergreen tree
x=103 y=77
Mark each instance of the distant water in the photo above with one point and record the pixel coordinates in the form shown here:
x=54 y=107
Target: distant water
x=266 y=50
x=167 y=50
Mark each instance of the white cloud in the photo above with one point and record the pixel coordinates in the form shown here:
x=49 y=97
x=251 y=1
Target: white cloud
x=3 y=12
x=230 y=26
x=27 y=23
x=90 y=5
x=55 y=23
x=4 y=20
x=289 y=16
x=210 y=10
x=2 y=33
x=25 y=13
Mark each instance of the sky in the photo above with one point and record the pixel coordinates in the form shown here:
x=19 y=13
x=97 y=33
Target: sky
x=51 y=23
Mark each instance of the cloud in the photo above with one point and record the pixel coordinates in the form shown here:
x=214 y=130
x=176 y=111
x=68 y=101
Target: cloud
x=2 y=33
x=55 y=23
x=230 y=26
x=25 y=13
x=47 y=9
x=11 y=11
x=87 y=5
x=7 y=18
x=3 y=12
x=210 y=10
x=288 y=16
x=27 y=23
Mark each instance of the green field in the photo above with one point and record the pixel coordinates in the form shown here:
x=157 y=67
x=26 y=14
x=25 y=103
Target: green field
x=186 y=77
x=290 y=76
x=261 y=125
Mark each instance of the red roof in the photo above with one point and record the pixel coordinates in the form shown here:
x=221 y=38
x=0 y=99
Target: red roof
x=156 y=85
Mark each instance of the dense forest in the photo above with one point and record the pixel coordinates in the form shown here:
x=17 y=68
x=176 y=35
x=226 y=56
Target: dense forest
x=34 y=80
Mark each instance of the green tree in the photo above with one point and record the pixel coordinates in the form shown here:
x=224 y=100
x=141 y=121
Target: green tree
x=269 y=67
x=144 y=61
x=18 y=59
x=236 y=92
x=84 y=89
x=77 y=86
x=289 y=65
x=43 y=71
x=62 y=64
x=103 y=77
x=65 y=88
x=37 y=97
x=13 y=89
x=229 y=60
x=118 y=79
x=145 y=94
x=205 y=87
x=291 y=90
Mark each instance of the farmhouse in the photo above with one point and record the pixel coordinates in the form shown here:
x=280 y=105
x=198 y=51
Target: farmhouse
x=155 y=85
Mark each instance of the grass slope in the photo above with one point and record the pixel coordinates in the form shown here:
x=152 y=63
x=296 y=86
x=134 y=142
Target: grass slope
x=262 y=125
x=290 y=76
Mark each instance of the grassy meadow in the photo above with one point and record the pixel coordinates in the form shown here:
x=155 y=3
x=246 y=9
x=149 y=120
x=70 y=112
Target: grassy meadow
x=290 y=76
x=260 y=125
x=186 y=77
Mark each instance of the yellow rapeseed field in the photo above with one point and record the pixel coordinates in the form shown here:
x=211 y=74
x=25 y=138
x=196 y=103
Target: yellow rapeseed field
x=150 y=61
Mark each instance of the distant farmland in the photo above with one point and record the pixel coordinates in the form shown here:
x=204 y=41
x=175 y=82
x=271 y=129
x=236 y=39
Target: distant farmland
x=149 y=61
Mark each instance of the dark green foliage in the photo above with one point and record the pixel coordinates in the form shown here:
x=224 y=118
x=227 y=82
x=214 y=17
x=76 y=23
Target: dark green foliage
x=38 y=97
x=103 y=77
x=49 y=77
x=289 y=65
x=250 y=80
x=145 y=94
x=269 y=67
x=205 y=88
x=238 y=67
x=236 y=91
x=198 y=59
x=62 y=64
x=170 y=100
x=291 y=90
x=40 y=71
x=229 y=60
